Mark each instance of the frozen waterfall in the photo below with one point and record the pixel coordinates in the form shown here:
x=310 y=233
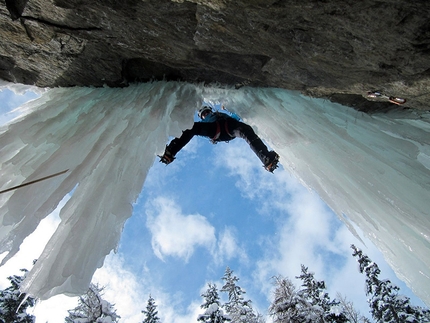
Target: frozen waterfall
x=373 y=171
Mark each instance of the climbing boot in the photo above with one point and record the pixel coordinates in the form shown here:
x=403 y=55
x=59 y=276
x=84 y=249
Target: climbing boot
x=271 y=161
x=167 y=158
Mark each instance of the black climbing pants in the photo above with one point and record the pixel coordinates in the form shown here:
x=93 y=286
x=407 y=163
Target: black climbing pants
x=222 y=130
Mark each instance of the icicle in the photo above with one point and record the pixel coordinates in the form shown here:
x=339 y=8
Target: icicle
x=107 y=138
x=372 y=171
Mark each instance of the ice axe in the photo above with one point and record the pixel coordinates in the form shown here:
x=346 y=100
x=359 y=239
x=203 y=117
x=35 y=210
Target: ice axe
x=35 y=181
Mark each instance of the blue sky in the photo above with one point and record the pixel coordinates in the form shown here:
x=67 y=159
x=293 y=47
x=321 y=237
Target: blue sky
x=215 y=206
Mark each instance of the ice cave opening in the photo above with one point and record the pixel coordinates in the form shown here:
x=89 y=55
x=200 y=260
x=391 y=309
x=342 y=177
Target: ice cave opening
x=372 y=170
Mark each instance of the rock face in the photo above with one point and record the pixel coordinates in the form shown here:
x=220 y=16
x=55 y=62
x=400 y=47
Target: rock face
x=337 y=49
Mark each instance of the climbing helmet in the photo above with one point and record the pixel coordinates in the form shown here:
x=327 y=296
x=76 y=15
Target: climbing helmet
x=203 y=112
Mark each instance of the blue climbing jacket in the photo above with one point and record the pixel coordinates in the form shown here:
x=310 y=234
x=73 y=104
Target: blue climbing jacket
x=217 y=115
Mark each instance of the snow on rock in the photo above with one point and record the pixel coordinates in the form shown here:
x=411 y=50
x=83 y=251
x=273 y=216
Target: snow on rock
x=372 y=171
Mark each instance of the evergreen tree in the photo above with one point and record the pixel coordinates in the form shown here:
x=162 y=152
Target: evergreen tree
x=213 y=313
x=237 y=307
x=386 y=305
x=328 y=310
x=151 y=312
x=289 y=305
x=92 y=308
x=14 y=304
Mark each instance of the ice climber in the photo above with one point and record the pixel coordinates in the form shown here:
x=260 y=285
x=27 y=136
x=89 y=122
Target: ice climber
x=219 y=126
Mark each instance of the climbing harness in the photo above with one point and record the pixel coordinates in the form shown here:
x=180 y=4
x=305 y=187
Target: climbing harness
x=215 y=138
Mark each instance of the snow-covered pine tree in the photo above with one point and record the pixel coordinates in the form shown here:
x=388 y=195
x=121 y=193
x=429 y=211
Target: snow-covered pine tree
x=151 y=312
x=92 y=308
x=328 y=310
x=212 y=306
x=288 y=304
x=237 y=307
x=386 y=305
x=14 y=304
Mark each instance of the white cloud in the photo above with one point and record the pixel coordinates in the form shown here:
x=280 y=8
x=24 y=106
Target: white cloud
x=227 y=244
x=172 y=314
x=240 y=160
x=122 y=288
x=304 y=237
x=308 y=232
x=13 y=95
x=228 y=247
x=54 y=309
x=192 y=148
x=176 y=234
x=129 y=293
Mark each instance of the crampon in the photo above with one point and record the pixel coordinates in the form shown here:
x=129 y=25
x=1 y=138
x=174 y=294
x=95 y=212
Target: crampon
x=273 y=164
x=166 y=159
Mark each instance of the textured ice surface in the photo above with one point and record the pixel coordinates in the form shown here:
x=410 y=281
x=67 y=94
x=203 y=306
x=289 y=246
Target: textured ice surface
x=373 y=171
